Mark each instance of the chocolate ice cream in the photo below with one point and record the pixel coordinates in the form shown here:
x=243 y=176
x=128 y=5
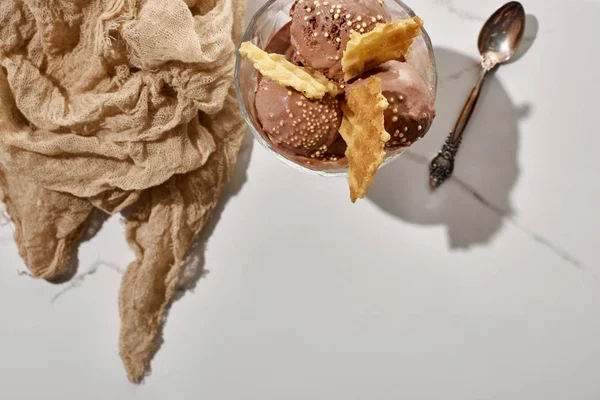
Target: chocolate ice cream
x=280 y=43
x=294 y=123
x=411 y=105
x=306 y=130
x=320 y=30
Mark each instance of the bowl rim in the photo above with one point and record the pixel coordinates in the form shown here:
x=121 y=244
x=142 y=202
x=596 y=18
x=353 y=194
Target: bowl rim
x=259 y=137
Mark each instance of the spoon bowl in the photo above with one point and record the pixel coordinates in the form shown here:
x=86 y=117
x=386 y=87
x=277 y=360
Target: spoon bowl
x=501 y=35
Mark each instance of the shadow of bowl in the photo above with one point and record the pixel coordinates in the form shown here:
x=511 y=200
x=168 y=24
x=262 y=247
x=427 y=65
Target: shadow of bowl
x=472 y=204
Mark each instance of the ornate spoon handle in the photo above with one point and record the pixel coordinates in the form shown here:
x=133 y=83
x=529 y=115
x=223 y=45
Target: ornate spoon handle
x=443 y=164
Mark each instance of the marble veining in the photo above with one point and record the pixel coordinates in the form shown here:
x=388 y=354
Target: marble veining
x=80 y=278
x=537 y=237
x=458 y=74
x=463 y=14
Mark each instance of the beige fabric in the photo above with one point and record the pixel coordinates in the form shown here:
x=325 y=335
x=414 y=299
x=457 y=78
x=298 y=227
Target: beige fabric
x=47 y=224
x=114 y=104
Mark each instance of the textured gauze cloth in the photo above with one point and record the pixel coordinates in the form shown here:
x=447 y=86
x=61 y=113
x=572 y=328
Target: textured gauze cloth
x=118 y=105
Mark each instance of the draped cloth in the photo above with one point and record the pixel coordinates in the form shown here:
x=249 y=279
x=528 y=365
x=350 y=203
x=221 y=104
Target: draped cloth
x=123 y=106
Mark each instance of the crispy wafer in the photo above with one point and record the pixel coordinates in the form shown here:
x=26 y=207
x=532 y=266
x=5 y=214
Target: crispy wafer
x=386 y=42
x=363 y=130
x=276 y=67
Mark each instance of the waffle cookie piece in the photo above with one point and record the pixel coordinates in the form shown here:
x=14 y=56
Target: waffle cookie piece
x=276 y=67
x=363 y=131
x=386 y=42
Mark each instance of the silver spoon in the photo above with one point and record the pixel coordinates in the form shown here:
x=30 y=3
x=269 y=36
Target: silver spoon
x=498 y=41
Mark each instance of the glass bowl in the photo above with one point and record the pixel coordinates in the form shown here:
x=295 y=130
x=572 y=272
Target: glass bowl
x=273 y=15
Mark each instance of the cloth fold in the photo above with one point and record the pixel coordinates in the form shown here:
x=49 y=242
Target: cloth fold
x=118 y=104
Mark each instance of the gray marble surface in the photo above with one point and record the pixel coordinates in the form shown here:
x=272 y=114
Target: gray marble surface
x=486 y=289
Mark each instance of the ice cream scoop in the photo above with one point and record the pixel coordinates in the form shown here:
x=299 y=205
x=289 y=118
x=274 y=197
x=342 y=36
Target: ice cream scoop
x=280 y=43
x=320 y=30
x=294 y=123
x=411 y=107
